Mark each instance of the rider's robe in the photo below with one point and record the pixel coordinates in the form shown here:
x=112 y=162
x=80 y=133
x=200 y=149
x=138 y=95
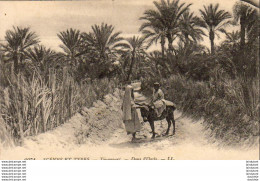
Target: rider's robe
x=158 y=102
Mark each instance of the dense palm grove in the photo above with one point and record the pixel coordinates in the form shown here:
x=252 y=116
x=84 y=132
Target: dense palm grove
x=41 y=88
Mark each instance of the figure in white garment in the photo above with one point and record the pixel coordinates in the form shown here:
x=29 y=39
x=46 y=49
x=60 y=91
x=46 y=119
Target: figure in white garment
x=130 y=115
x=158 y=99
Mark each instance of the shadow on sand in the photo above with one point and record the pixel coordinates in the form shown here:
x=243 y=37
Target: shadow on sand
x=139 y=142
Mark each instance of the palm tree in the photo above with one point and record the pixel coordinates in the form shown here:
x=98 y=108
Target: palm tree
x=102 y=40
x=134 y=50
x=155 y=58
x=214 y=20
x=232 y=38
x=254 y=29
x=18 y=41
x=246 y=16
x=167 y=14
x=71 y=41
x=41 y=56
x=255 y=3
x=102 y=46
x=190 y=27
x=153 y=30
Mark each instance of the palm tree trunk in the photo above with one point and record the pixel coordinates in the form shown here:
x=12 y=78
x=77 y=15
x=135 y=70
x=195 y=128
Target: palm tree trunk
x=162 y=45
x=186 y=39
x=212 y=37
x=21 y=59
x=15 y=58
x=242 y=33
x=131 y=65
x=170 y=40
x=157 y=67
x=187 y=43
x=125 y=63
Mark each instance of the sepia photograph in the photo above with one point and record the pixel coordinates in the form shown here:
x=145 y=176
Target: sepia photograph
x=129 y=80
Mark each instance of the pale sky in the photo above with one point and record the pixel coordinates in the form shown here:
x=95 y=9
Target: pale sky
x=47 y=18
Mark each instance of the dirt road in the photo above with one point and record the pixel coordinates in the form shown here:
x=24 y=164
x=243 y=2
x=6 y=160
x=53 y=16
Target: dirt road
x=98 y=133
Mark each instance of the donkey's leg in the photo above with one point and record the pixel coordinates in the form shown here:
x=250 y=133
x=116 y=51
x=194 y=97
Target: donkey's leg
x=169 y=126
x=152 y=127
x=170 y=116
x=173 y=123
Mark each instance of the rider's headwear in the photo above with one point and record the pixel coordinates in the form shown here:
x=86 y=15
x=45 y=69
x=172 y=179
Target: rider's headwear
x=156 y=84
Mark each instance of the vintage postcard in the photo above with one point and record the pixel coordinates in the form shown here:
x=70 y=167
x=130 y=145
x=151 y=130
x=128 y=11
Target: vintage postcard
x=129 y=80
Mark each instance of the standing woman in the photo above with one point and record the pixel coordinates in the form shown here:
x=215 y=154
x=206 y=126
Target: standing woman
x=130 y=116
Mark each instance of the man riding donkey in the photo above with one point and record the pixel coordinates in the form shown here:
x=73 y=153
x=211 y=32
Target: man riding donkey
x=158 y=109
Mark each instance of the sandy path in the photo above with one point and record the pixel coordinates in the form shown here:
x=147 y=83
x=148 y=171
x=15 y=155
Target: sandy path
x=191 y=141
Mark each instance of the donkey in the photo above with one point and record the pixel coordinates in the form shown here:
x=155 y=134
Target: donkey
x=149 y=114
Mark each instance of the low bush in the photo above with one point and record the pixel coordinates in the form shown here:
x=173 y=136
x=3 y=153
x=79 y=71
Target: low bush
x=229 y=107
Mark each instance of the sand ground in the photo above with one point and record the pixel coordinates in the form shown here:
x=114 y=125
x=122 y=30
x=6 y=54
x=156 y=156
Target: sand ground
x=98 y=133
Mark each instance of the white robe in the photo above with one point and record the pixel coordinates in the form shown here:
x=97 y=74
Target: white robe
x=130 y=115
x=158 y=101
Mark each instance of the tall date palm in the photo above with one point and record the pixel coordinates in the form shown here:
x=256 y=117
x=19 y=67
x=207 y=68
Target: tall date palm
x=134 y=50
x=190 y=27
x=18 y=41
x=245 y=15
x=214 y=19
x=71 y=41
x=167 y=14
x=102 y=47
x=41 y=56
x=103 y=40
x=153 y=30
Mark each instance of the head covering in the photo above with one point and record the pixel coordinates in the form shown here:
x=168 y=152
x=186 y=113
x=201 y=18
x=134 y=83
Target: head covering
x=136 y=86
x=127 y=103
x=156 y=83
